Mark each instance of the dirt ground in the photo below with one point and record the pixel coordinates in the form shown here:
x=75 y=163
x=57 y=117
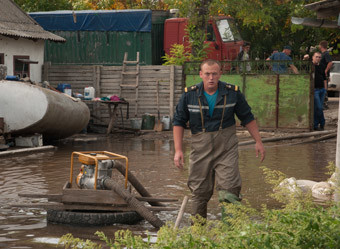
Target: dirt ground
x=331 y=116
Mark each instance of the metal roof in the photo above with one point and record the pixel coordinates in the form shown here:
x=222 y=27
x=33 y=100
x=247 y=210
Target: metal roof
x=326 y=11
x=14 y=22
x=318 y=23
x=325 y=8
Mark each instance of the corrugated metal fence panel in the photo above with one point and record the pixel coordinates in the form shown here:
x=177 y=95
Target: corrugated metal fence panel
x=157 y=43
x=109 y=80
x=294 y=101
x=132 y=42
x=96 y=47
x=261 y=91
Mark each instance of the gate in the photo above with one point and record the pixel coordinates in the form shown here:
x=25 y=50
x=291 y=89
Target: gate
x=278 y=101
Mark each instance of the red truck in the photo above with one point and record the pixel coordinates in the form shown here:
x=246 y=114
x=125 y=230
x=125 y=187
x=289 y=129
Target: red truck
x=222 y=36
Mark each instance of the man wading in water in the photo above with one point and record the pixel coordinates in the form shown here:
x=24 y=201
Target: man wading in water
x=210 y=107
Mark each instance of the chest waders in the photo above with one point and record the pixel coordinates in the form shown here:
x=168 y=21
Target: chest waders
x=214 y=156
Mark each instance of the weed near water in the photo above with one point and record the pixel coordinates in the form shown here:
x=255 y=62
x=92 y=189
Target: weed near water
x=300 y=223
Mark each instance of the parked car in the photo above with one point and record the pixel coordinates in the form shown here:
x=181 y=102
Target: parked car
x=334 y=79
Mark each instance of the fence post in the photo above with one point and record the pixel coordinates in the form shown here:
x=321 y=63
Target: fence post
x=172 y=91
x=96 y=85
x=277 y=101
x=47 y=66
x=337 y=163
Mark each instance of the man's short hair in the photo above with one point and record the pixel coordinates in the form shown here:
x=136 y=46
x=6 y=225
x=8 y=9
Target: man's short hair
x=287 y=47
x=210 y=62
x=245 y=44
x=324 y=44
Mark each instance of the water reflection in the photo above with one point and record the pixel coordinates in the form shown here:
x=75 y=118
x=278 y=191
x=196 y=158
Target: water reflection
x=151 y=162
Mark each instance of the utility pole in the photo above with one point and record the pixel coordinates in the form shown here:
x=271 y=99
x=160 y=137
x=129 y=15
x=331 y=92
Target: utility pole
x=337 y=161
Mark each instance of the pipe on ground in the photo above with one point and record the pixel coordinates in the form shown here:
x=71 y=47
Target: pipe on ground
x=135 y=182
x=133 y=202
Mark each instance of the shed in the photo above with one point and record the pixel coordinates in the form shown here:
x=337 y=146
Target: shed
x=22 y=42
x=103 y=36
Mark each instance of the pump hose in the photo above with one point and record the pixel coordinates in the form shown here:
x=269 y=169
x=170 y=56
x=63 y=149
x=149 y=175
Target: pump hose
x=133 y=202
x=135 y=183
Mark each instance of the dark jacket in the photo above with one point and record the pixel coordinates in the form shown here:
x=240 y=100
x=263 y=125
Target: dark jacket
x=319 y=76
x=188 y=108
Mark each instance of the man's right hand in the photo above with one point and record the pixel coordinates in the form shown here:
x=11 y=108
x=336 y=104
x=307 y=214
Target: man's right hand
x=179 y=159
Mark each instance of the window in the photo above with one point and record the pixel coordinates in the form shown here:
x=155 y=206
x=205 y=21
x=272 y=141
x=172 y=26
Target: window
x=2 y=58
x=210 y=33
x=21 y=68
x=228 y=30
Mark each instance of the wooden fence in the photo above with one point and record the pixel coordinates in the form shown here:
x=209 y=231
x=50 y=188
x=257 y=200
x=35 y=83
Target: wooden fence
x=107 y=79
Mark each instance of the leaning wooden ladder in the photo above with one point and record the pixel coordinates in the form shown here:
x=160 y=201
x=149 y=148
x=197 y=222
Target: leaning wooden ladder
x=123 y=85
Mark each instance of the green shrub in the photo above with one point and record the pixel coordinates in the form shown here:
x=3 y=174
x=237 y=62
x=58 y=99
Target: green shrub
x=177 y=56
x=300 y=223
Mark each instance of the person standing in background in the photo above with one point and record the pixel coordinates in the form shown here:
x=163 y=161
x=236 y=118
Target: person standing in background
x=326 y=58
x=320 y=86
x=244 y=56
x=326 y=63
x=285 y=59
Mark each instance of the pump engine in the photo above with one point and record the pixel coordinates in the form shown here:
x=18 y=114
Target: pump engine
x=86 y=177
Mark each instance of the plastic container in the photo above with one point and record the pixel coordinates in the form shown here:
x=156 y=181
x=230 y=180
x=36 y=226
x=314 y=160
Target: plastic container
x=166 y=122
x=65 y=88
x=148 y=122
x=12 y=77
x=89 y=92
x=136 y=123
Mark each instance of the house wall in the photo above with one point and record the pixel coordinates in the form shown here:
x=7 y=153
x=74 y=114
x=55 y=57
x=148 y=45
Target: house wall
x=23 y=47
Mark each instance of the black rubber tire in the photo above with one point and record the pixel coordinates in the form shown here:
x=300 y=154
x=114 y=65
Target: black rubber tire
x=92 y=218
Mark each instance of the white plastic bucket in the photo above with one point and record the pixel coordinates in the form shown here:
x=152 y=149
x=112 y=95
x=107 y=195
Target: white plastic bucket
x=166 y=122
x=136 y=123
x=89 y=92
x=68 y=91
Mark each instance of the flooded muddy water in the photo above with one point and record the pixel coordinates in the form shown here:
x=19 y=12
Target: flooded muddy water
x=151 y=162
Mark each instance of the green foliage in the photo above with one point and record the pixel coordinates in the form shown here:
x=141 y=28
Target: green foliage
x=196 y=29
x=178 y=55
x=44 y=5
x=197 y=12
x=299 y=224
x=199 y=48
x=266 y=24
x=125 y=238
x=331 y=167
x=68 y=241
x=315 y=228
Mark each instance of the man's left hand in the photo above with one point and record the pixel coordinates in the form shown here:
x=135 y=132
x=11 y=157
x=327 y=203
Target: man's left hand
x=259 y=148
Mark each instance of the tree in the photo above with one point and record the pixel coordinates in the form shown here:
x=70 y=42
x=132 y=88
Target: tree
x=197 y=23
x=265 y=23
x=44 y=5
x=118 y=4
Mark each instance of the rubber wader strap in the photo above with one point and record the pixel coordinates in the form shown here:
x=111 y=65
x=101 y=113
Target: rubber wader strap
x=224 y=104
x=202 y=120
